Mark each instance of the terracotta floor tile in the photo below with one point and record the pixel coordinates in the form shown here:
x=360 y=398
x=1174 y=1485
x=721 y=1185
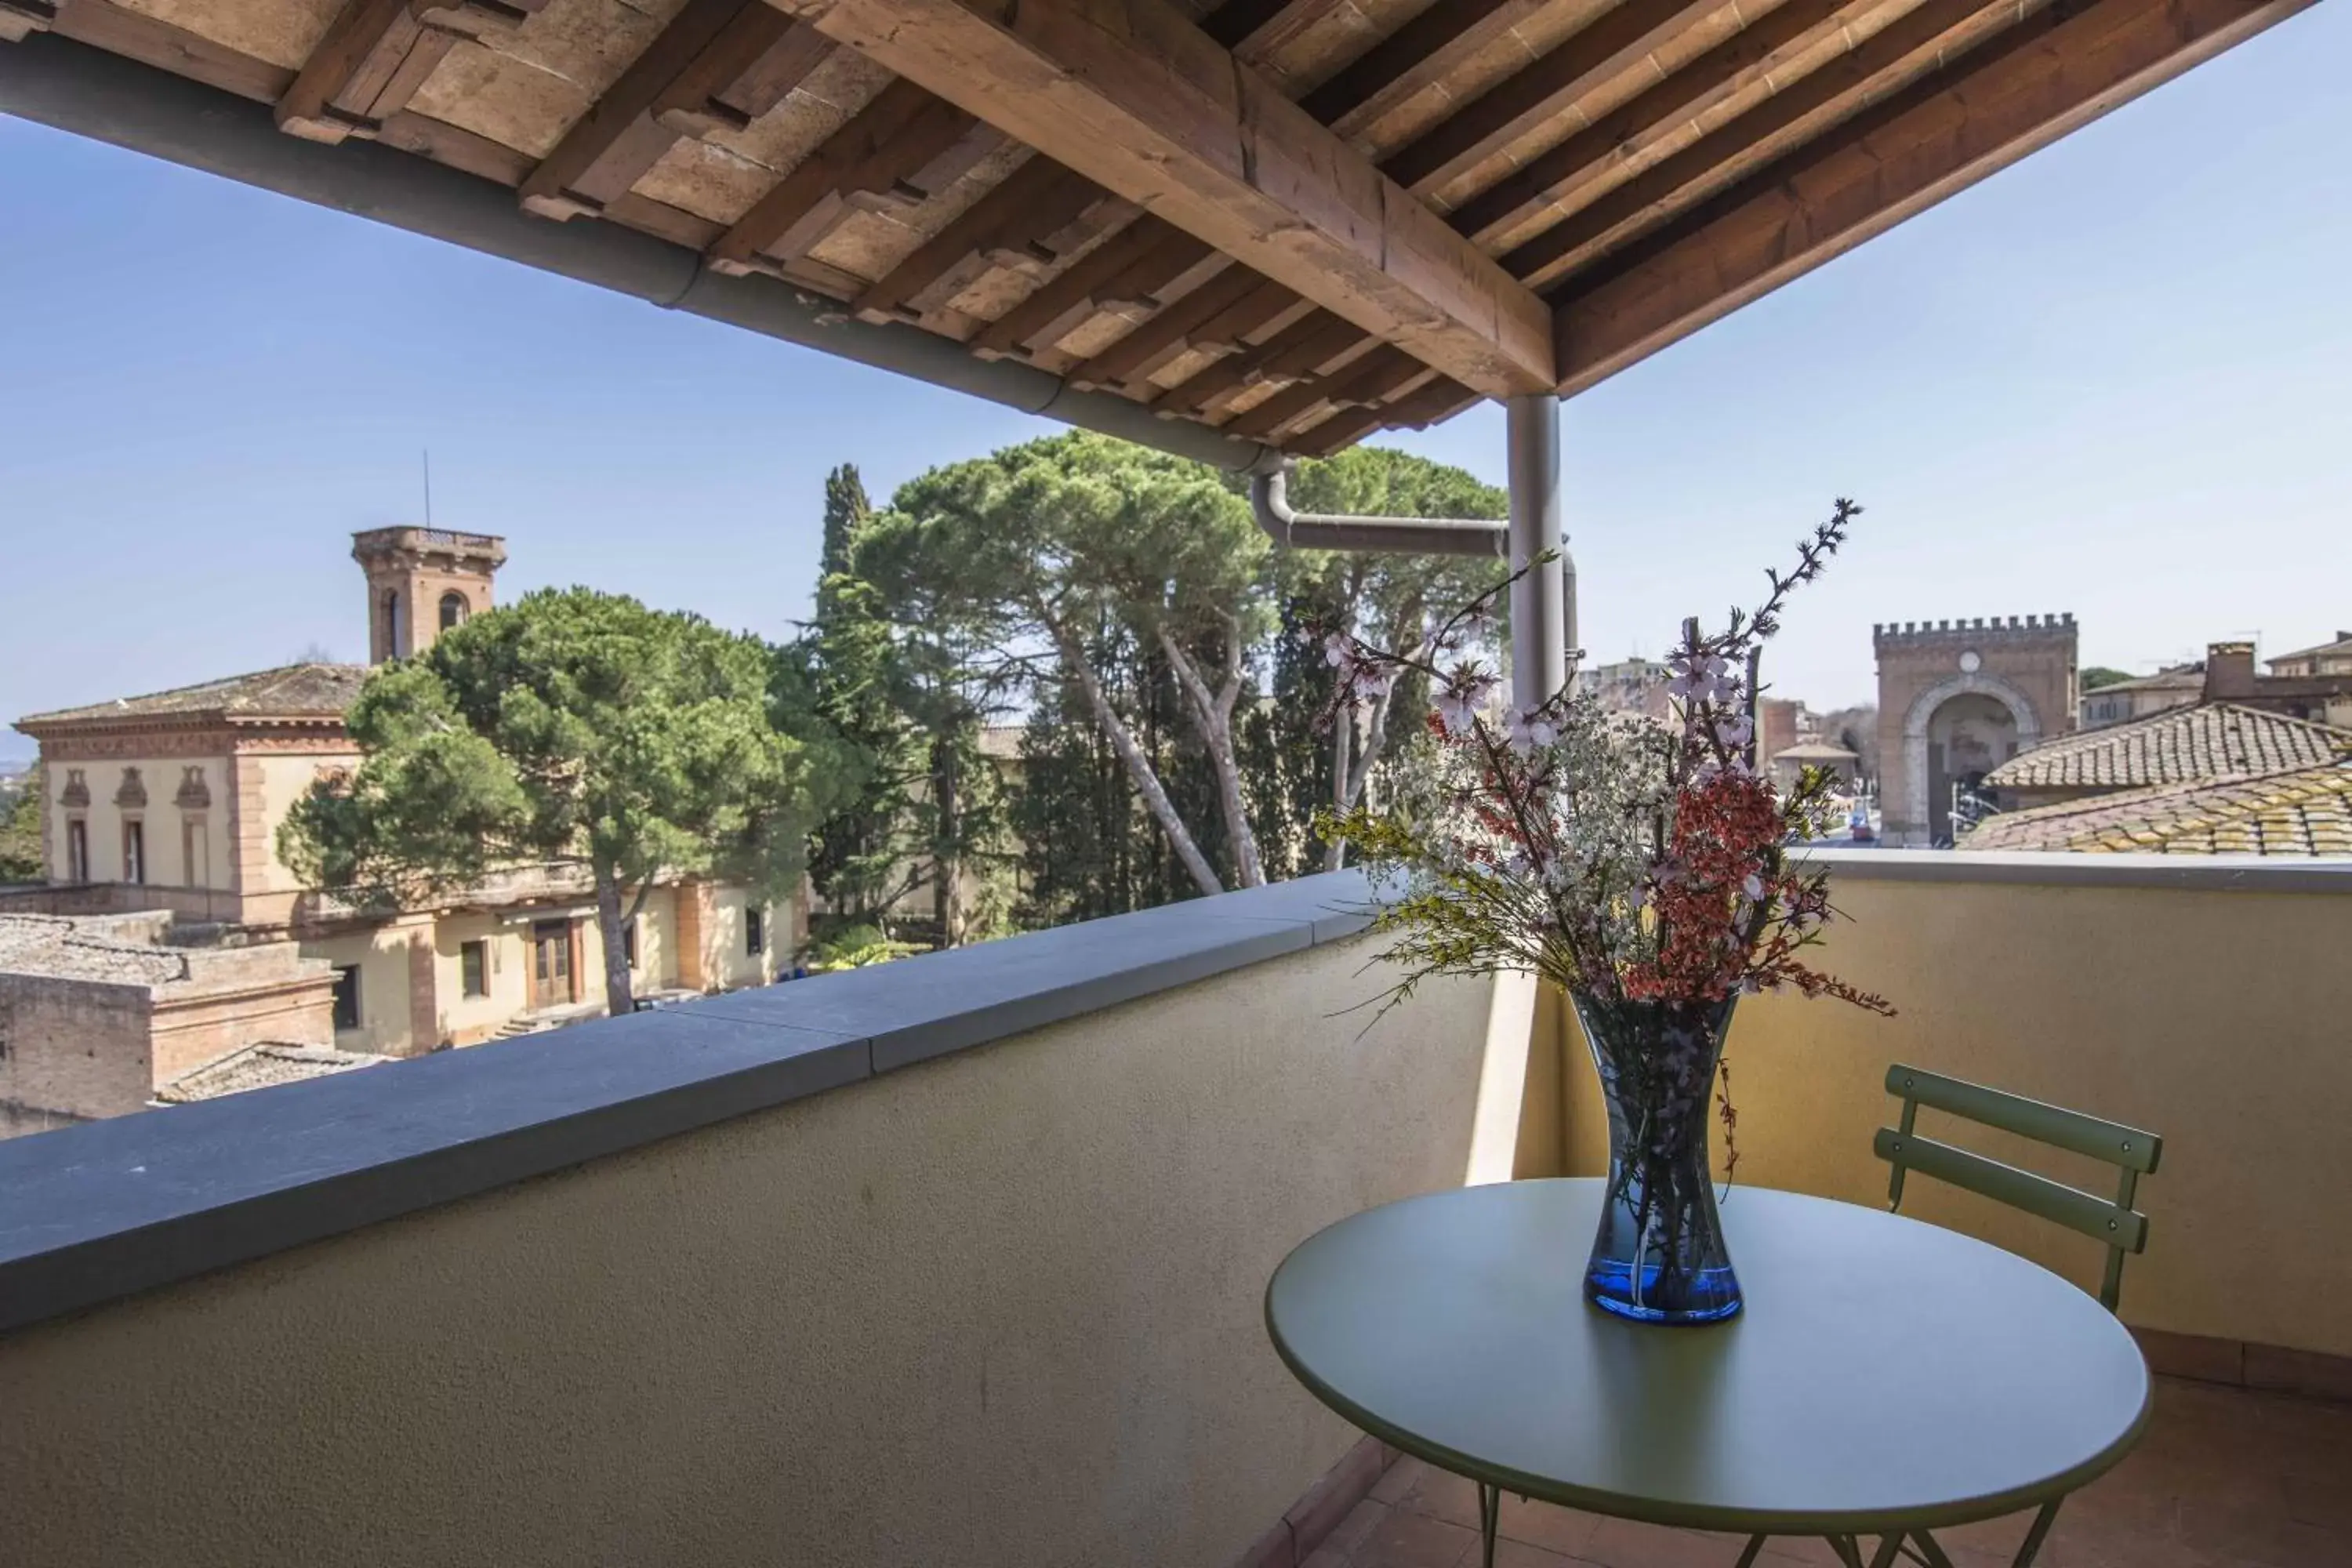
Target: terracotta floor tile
x=2226 y=1478
x=1408 y=1539
x=1541 y=1524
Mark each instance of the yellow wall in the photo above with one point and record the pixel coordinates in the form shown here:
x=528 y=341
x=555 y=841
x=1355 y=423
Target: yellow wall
x=729 y=965
x=166 y=865
x=2222 y=1021
x=284 y=780
x=381 y=954
x=1001 y=1309
x=468 y=1019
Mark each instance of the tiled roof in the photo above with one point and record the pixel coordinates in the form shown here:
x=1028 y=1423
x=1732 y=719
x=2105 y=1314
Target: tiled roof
x=2306 y=812
x=2187 y=678
x=2181 y=745
x=2342 y=645
x=260 y=1067
x=291 y=691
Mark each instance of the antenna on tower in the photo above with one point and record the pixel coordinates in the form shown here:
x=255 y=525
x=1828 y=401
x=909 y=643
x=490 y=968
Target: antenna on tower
x=428 y=486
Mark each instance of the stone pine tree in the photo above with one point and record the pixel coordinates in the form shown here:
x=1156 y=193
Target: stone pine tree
x=1033 y=552
x=21 y=859
x=572 y=727
x=921 y=810
x=1385 y=598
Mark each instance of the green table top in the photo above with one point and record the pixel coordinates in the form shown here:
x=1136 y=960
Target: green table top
x=1883 y=1374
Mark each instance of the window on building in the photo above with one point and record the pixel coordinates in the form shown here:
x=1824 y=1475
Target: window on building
x=474 y=967
x=195 y=854
x=347 y=996
x=76 y=849
x=755 y=931
x=135 y=851
x=392 y=639
x=629 y=942
x=454 y=609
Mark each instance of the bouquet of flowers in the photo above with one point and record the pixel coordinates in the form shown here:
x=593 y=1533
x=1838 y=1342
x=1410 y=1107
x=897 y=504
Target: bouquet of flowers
x=1644 y=867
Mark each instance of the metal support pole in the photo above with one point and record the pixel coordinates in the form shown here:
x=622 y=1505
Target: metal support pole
x=1541 y=617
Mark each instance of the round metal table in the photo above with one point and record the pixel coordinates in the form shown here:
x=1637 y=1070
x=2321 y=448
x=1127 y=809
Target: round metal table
x=1885 y=1378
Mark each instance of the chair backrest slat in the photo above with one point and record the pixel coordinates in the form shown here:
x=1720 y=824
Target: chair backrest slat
x=2131 y=1150
x=2053 y=1125
x=2096 y=1217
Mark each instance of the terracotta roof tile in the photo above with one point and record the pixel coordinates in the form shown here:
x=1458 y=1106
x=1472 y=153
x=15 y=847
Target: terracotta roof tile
x=2305 y=812
x=2181 y=745
x=290 y=691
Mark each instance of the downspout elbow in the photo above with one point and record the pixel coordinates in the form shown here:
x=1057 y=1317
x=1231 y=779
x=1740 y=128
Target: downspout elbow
x=1270 y=502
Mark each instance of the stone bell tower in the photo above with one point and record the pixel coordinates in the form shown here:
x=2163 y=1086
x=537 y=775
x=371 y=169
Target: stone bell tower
x=421 y=583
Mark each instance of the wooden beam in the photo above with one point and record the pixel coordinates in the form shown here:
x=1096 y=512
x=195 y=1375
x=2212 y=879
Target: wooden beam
x=375 y=53
x=1135 y=97
x=1545 y=89
x=1127 y=269
x=2035 y=82
x=1268 y=23
x=1738 y=61
x=1023 y=218
x=138 y=37
x=1426 y=49
x=902 y=146
x=613 y=145
x=1895 y=53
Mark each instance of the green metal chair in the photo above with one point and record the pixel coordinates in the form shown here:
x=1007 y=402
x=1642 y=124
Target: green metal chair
x=2117 y=1224
x=2133 y=1152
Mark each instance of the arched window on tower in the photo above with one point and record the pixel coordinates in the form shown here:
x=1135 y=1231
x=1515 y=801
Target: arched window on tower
x=392 y=648
x=454 y=610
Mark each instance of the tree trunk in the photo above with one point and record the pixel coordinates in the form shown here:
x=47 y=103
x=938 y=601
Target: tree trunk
x=1138 y=766
x=1213 y=716
x=1343 y=740
x=947 y=903
x=619 y=1000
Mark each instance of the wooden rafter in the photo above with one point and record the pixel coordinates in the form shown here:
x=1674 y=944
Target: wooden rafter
x=1369 y=380
x=1895 y=54
x=904 y=146
x=1738 y=59
x=1527 y=99
x=1440 y=399
x=1169 y=332
x=1028 y=218
x=1437 y=41
x=1136 y=98
x=1298 y=350
x=1128 y=270
x=720 y=64
x=2030 y=85
x=375 y=53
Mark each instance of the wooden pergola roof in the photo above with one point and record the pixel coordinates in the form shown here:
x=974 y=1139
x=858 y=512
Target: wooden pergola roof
x=1298 y=221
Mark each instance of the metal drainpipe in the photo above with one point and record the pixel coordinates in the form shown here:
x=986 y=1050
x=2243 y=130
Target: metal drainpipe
x=74 y=87
x=1269 y=499
x=1543 y=612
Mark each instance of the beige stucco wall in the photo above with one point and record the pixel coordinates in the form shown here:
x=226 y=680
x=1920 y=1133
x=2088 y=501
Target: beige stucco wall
x=1001 y=1308
x=381 y=954
x=468 y=1019
x=2222 y=1021
x=725 y=964
x=166 y=857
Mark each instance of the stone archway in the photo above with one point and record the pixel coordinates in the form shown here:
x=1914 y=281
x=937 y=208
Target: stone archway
x=1922 y=713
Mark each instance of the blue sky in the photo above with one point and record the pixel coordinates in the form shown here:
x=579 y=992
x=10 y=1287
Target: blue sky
x=2115 y=379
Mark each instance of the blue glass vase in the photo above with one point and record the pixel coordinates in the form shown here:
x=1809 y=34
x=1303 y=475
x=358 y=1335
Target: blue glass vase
x=1659 y=1256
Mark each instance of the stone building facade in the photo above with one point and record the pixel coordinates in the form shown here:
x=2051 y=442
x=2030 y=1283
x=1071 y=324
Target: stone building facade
x=104 y=1014
x=171 y=803
x=1957 y=698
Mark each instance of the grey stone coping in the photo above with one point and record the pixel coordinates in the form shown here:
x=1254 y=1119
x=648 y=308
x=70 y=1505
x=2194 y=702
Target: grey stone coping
x=93 y=1213
x=2210 y=873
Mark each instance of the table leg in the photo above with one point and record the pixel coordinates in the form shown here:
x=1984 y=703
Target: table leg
x=1755 y=1545
x=1490 y=1514
x=2035 y=1537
